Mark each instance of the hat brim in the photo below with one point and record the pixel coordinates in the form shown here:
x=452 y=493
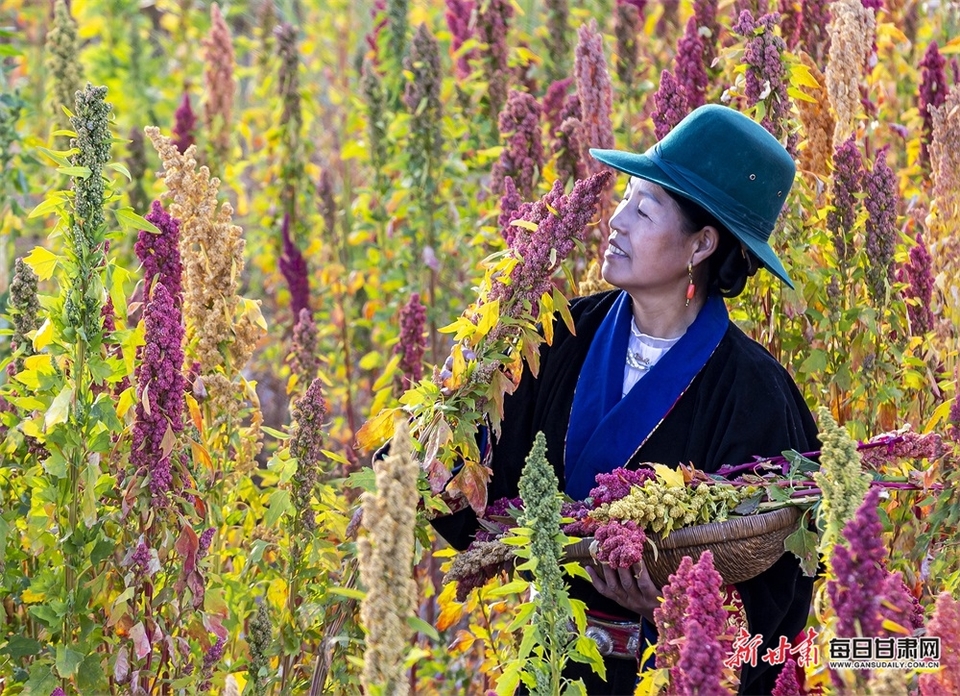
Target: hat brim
x=639 y=165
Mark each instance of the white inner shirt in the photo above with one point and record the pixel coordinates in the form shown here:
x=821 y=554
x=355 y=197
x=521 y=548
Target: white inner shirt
x=643 y=352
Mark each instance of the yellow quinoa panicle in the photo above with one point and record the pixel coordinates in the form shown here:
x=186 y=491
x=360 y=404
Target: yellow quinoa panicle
x=386 y=566
x=211 y=247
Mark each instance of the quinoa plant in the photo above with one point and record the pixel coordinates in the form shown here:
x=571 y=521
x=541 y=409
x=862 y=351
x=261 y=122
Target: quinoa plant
x=548 y=644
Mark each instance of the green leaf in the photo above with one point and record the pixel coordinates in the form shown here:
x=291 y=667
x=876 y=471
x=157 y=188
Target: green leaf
x=101 y=551
x=19 y=646
x=418 y=624
x=43 y=262
x=515 y=587
x=46 y=207
x=58 y=156
x=585 y=651
x=117 y=167
x=42 y=680
x=799 y=464
x=68 y=661
x=55 y=464
x=364 y=479
x=348 y=592
x=91 y=680
x=78 y=172
x=575 y=570
x=524 y=612
x=273 y=432
x=127 y=218
x=749 y=506
x=279 y=504
x=803 y=544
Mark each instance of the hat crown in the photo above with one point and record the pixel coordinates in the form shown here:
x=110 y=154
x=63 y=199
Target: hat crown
x=729 y=165
x=734 y=154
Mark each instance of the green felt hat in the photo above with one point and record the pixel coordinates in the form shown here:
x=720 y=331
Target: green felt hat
x=727 y=163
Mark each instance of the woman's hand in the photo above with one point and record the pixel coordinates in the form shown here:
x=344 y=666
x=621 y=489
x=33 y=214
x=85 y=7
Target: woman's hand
x=632 y=588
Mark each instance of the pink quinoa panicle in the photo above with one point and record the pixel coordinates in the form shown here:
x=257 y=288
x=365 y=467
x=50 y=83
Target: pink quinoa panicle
x=671 y=105
x=858 y=573
x=413 y=342
x=691 y=71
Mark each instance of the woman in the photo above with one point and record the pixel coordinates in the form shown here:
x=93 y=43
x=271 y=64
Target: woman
x=656 y=372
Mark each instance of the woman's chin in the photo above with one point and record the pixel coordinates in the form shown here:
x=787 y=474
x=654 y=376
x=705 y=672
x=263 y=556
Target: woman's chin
x=609 y=273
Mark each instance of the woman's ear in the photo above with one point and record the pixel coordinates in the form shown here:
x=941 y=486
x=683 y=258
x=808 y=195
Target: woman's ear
x=707 y=240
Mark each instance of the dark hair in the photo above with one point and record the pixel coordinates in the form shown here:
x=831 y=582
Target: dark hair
x=732 y=263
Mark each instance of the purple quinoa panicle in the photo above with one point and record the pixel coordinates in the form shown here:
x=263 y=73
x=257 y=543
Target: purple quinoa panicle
x=522 y=155
x=933 y=93
x=881 y=203
x=847 y=184
x=458 y=14
x=917 y=273
x=160 y=392
x=160 y=253
x=294 y=268
x=184 y=124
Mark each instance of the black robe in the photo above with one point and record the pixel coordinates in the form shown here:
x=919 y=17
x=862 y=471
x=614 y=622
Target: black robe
x=741 y=404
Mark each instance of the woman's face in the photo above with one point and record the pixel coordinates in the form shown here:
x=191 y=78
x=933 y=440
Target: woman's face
x=648 y=248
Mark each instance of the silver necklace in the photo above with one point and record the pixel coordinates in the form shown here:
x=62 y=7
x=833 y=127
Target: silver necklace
x=635 y=358
x=637 y=361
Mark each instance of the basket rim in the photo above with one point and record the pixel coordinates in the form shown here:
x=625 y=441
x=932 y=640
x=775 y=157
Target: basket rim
x=731 y=529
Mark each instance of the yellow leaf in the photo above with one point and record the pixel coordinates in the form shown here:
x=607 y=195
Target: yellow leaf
x=28 y=596
x=894 y=627
x=801 y=76
x=128 y=397
x=40 y=363
x=800 y=95
x=450 y=609
x=377 y=430
x=487 y=317
x=525 y=224
x=251 y=311
x=241 y=679
x=44 y=335
x=31 y=428
x=456 y=380
x=670 y=477
x=59 y=410
x=43 y=262
x=277 y=592
x=939 y=414
x=200 y=455
x=388 y=372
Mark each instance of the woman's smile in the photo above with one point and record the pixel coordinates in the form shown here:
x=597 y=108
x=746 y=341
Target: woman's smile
x=614 y=250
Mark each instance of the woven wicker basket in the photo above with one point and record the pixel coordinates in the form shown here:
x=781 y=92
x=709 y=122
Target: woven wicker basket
x=742 y=547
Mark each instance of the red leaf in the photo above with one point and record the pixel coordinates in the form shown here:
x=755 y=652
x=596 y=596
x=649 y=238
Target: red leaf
x=187 y=546
x=437 y=475
x=472 y=482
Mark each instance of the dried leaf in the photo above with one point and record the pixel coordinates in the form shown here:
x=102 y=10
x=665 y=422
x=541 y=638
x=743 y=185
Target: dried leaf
x=141 y=644
x=472 y=483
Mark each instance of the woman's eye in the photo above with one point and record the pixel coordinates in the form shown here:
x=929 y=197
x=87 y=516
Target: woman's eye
x=641 y=213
